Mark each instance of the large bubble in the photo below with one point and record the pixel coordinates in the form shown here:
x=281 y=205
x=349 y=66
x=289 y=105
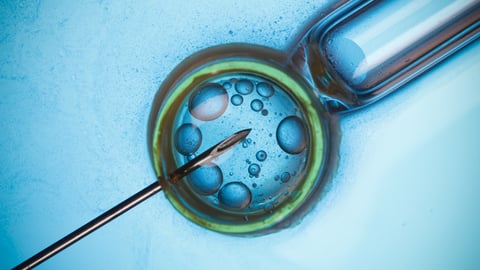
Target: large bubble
x=207 y=179
x=208 y=102
x=188 y=139
x=292 y=135
x=235 y=195
x=244 y=86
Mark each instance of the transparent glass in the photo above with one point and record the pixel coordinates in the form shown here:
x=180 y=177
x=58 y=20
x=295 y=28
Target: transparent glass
x=365 y=50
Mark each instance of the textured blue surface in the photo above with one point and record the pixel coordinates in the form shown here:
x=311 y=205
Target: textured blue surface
x=77 y=79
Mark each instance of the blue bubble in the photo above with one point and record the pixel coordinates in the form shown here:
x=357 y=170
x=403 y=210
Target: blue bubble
x=235 y=195
x=285 y=177
x=254 y=169
x=236 y=100
x=265 y=89
x=188 y=139
x=244 y=86
x=256 y=105
x=292 y=135
x=208 y=102
x=261 y=155
x=207 y=179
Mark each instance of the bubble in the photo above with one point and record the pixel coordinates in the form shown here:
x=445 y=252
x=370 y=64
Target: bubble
x=188 y=139
x=235 y=195
x=264 y=112
x=236 y=100
x=292 y=135
x=285 y=177
x=261 y=155
x=207 y=179
x=265 y=89
x=227 y=85
x=254 y=169
x=244 y=86
x=256 y=105
x=208 y=102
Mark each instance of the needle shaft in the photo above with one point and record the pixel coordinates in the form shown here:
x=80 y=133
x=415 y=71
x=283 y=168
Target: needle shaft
x=135 y=199
x=90 y=226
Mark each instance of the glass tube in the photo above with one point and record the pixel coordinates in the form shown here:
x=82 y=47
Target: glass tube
x=365 y=50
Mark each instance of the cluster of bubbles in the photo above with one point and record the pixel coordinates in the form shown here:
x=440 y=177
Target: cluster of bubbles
x=209 y=102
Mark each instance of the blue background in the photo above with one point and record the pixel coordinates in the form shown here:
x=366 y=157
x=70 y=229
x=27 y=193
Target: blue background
x=77 y=80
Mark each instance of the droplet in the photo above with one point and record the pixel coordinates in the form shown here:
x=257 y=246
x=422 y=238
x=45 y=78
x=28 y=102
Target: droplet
x=227 y=85
x=188 y=139
x=208 y=102
x=285 y=177
x=256 y=105
x=261 y=155
x=244 y=86
x=235 y=195
x=254 y=169
x=236 y=100
x=292 y=135
x=207 y=179
x=265 y=90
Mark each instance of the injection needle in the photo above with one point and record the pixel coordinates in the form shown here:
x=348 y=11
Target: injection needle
x=135 y=199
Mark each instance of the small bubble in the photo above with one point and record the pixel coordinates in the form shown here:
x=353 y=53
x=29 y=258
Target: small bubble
x=256 y=105
x=292 y=135
x=261 y=155
x=188 y=139
x=236 y=100
x=285 y=177
x=244 y=144
x=254 y=169
x=208 y=102
x=265 y=90
x=264 y=112
x=227 y=85
x=207 y=179
x=235 y=195
x=254 y=185
x=244 y=86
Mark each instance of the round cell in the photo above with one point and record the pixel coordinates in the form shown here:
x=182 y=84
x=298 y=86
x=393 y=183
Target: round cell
x=207 y=179
x=292 y=135
x=265 y=89
x=244 y=182
x=236 y=100
x=256 y=105
x=188 y=139
x=244 y=86
x=235 y=195
x=208 y=102
x=254 y=169
x=261 y=155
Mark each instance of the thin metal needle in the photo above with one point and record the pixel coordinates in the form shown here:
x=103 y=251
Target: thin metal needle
x=137 y=198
